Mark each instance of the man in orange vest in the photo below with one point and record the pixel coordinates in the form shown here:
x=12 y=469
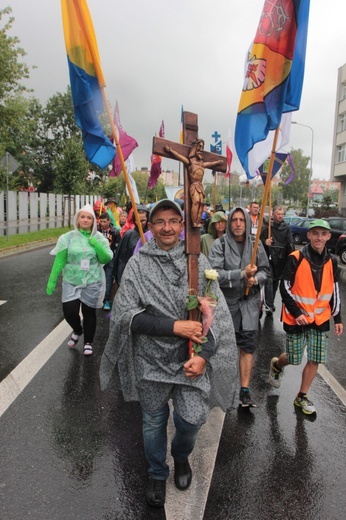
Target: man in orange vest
x=253 y=213
x=310 y=296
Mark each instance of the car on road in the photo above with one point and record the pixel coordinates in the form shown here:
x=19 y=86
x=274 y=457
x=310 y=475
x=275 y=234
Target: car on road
x=299 y=230
x=337 y=225
x=292 y=219
x=341 y=248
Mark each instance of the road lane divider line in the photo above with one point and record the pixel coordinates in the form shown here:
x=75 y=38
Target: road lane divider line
x=2 y=302
x=191 y=503
x=333 y=383
x=13 y=384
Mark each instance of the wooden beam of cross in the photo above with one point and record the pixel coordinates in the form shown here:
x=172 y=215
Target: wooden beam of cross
x=193 y=190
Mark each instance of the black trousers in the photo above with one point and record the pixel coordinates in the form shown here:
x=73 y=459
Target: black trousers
x=71 y=314
x=273 y=281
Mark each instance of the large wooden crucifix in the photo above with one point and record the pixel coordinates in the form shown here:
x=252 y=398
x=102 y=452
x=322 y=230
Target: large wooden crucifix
x=195 y=160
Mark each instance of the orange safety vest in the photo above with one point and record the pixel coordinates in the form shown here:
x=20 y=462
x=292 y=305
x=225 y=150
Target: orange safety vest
x=315 y=306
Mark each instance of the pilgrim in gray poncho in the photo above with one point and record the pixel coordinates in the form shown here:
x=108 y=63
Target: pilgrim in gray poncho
x=229 y=259
x=149 y=366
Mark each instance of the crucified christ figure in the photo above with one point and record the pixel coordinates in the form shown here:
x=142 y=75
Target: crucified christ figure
x=195 y=166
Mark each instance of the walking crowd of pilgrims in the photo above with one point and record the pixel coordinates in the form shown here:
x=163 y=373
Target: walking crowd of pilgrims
x=148 y=351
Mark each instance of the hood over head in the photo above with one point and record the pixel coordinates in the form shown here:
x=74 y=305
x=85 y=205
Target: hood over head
x=219 y=215
x=88 y=208
x=229 y=233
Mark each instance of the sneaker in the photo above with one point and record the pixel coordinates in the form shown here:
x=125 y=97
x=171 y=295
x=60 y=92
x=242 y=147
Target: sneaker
x=107 y=306
x=245 y=399
x=275 y=375
x=73 y=340
x=88 y=349
x=305 y=404
x=155 y=493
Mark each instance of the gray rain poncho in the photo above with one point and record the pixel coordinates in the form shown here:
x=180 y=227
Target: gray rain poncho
x=228 y=260
x=150 y=367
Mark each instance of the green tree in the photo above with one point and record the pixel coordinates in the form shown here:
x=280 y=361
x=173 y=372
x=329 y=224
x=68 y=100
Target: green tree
x=19 y=134
x=327 y=208
x=116 y=187
x=224 y=189
x=148 y=195
x=58 y=119
x=57 y=127
x=13 y=71
x=72 y=169
x=333 y=194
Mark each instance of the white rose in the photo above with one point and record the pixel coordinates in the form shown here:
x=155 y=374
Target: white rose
x=211 y=274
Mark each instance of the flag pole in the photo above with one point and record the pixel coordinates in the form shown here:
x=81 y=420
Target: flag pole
x=269 y=212
x=264 y=201
x=114 y=132
x=123 y=166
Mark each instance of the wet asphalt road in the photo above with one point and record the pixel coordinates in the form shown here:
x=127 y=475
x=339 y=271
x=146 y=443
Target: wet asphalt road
x=69 y=451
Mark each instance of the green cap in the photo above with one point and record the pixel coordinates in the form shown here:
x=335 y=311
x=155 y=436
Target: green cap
x=319 y=222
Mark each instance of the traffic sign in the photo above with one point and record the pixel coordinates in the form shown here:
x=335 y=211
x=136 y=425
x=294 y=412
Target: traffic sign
x=9 y=163
x=216 y=148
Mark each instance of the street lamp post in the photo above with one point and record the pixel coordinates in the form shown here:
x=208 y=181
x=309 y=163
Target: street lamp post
x=310 y=176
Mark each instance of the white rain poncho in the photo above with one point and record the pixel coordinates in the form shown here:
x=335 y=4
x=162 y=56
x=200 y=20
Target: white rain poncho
x=87 y=285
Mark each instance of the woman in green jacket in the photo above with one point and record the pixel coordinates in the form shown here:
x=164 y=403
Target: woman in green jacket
x=216 y=229
x=80 y=255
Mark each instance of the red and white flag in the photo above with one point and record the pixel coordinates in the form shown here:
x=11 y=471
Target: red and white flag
x=229 y=155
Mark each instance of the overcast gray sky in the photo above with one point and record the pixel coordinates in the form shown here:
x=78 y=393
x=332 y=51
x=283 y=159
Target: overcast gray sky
x=157 y=55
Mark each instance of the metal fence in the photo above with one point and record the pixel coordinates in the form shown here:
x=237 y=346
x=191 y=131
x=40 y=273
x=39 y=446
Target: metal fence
x=30 y=211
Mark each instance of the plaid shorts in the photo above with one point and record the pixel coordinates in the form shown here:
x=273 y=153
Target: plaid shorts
x=315 y=341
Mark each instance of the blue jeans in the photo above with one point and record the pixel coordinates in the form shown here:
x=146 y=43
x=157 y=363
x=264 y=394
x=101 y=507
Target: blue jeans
x=155 y=440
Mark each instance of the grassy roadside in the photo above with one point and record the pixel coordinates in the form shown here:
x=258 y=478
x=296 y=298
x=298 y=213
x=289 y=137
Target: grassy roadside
x=28 y=238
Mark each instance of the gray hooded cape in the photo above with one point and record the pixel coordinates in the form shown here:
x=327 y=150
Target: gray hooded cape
x=229 y=261
x=156 y=281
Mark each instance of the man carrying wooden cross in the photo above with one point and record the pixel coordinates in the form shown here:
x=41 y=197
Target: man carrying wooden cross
x=147 y=350
x=151 y=332
x=195 y=160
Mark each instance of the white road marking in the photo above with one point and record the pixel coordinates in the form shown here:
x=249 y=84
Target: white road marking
x=2 y=302
x=20 y=377
x=333 y=383
x=185 y=505
x=180 y=505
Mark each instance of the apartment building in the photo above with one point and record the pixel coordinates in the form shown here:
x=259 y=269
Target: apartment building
x=338 y=166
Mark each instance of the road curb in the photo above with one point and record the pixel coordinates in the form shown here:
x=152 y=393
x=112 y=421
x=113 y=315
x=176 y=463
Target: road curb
x=14 y=250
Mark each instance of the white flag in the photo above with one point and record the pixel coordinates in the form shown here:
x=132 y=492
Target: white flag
x=130 y=167
x=262 y=149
